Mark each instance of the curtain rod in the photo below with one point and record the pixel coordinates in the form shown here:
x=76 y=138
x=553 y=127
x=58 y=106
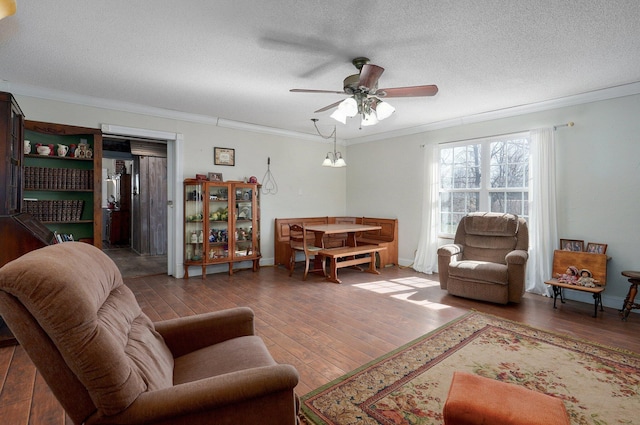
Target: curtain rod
x=555 y=127
x=569 y=124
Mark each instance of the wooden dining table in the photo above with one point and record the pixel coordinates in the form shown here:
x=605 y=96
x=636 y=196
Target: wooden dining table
x=332 y=229
x=320 y=230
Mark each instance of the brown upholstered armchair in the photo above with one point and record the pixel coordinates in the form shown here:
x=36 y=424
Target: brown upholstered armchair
x=107 y=363
x=488 y=258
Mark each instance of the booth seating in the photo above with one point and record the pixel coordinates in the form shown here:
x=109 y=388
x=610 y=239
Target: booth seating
x=386 y=237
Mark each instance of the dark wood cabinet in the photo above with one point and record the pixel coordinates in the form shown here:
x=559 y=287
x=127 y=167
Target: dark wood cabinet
x=22 y=234
x=11 y=148
x=119 y=233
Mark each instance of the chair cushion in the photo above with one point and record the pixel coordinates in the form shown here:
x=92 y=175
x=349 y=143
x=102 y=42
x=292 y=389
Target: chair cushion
x=236 y=354
x=479 y=271
x=94 y=320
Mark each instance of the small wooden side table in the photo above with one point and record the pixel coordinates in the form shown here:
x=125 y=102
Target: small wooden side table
x=629 y=301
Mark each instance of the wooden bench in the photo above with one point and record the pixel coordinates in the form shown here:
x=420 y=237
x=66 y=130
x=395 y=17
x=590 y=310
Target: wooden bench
x=348 y=256
x=595 y=263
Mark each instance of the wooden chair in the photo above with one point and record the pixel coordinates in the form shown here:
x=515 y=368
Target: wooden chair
x=301 y=241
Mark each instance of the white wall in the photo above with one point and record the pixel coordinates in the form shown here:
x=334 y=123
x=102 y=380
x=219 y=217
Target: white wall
x=304 y=187
x=598 y=179
x=598 y=172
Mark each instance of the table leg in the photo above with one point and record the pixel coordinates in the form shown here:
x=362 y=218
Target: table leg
x=629 y=301
x=319 y=237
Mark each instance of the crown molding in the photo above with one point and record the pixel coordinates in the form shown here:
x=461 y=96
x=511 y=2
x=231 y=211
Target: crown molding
x=56 y=95
x=579 y=99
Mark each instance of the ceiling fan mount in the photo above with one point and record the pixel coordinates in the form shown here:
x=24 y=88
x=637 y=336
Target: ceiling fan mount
x=360 y=62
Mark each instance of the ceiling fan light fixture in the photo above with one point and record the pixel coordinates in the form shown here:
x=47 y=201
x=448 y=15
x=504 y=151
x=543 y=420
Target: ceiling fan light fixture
x=349 y=106
x=7 y=8
x=384 y=110
x=339 y=116
x=364 y=95
x=369 y=119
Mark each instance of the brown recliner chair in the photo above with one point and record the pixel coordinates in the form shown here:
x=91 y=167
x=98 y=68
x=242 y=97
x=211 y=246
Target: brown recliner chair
x=107 y=363
x=488 y=258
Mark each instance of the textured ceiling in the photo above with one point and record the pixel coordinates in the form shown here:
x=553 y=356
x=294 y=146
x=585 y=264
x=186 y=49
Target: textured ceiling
x=238 y=59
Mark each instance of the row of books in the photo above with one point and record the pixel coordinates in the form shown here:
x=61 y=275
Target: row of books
x=57 y=178
x=63 y=237
x=54 y=210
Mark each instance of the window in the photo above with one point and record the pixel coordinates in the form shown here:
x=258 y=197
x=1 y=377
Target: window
x=483 y=175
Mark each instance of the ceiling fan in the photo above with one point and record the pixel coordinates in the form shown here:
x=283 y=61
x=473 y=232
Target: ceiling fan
x=365 y=96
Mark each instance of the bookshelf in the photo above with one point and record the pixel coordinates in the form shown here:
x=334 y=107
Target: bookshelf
x=62 y=189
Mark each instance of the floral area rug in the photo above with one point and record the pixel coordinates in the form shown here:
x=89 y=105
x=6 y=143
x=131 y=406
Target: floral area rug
x=598 y=385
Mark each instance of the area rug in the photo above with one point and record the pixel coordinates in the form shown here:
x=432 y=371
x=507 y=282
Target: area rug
x=598 y=385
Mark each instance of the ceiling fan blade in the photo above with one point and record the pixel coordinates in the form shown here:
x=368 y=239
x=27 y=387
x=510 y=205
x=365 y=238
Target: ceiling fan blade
x=369 y=75
x=326 y=108
x=412 y=91
x=315 y=91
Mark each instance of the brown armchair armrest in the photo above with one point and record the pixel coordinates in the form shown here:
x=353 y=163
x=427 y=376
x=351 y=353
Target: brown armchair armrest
x=186 y=334
x=451 y=249
x=517 y=256
x=206 y=395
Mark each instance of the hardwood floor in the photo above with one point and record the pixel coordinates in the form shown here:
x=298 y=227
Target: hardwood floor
x=323 y=329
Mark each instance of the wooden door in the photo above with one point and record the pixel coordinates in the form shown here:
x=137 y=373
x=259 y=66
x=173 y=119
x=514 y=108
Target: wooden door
x=149 y=208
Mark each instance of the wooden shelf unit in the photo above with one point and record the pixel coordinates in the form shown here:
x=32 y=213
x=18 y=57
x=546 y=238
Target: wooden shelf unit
x=65 y=183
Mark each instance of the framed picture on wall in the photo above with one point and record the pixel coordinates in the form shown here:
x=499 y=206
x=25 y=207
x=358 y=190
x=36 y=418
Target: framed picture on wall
x=571 y=245
x=224 y=156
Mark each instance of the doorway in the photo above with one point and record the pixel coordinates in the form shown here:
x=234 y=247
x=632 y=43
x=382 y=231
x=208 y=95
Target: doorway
x=134 y=200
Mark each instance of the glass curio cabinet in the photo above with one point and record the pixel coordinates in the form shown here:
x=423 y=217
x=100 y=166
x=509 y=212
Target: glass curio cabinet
x=221 y=224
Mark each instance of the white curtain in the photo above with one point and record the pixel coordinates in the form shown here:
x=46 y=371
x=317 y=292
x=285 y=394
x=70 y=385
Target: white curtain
x=543 y=227
x=426 y=260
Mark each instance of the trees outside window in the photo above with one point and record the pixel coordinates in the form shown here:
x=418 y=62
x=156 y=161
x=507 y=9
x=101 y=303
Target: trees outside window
x=483 y=175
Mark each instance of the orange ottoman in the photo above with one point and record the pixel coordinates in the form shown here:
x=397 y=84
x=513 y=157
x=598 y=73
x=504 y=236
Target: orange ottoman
x=475 y=400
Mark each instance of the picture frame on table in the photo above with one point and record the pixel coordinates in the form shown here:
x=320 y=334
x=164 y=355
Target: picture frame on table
x=571 y=245
x=596 y=248
x=224 y=156
x=215 y=177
